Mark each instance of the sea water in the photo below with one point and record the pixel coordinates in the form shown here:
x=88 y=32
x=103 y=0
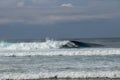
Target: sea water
x=36 y=59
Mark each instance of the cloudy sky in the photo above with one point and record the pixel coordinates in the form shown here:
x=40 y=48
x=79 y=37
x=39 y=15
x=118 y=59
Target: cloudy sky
x=38 y=19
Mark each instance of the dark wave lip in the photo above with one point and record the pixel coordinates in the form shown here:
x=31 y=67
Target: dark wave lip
x=78 y=44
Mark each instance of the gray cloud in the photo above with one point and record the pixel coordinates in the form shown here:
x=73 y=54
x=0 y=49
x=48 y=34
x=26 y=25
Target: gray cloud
x=36 y=11
x=67 y=5
x=20 y=4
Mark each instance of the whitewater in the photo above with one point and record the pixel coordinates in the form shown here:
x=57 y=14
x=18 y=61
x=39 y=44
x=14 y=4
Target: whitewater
x=46 y=59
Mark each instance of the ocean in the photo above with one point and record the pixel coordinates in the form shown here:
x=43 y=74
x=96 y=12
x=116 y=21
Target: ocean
x=35 y=59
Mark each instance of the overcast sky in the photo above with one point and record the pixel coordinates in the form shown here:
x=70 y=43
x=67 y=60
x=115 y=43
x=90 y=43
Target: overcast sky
x=38 y=19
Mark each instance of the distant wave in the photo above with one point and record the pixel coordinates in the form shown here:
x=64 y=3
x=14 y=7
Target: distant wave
x=48 y=44
x=54 y=48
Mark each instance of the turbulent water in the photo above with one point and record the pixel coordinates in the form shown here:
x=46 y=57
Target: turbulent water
x=32 y=60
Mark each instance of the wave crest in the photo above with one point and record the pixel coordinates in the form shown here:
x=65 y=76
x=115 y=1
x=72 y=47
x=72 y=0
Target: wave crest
x=48 y=44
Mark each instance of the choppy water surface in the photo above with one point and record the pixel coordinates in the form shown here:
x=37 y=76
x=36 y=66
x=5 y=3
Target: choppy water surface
x=45 y=59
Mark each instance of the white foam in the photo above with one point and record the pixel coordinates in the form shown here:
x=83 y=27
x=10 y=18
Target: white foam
x=48 y=44
x=64 y=74
x=63 y=52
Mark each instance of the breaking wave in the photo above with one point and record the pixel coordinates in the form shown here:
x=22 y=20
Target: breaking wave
x=53 y=48
x=49 y=44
